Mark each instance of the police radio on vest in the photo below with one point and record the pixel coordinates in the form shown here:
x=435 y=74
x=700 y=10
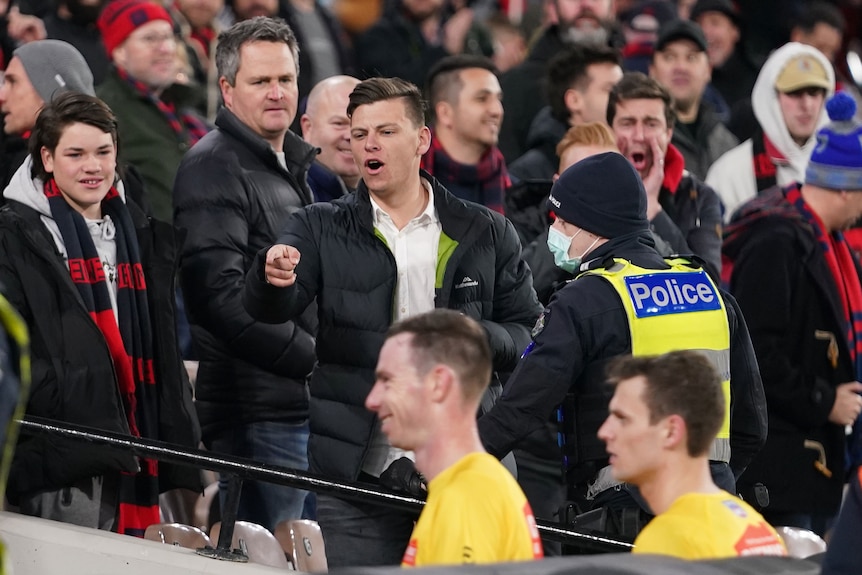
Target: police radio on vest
x=667 y=293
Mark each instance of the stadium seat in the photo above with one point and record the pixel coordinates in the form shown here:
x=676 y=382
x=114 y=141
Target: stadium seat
x=178 y=534
x=302 y=541
x=257 y=542
x=801 y=543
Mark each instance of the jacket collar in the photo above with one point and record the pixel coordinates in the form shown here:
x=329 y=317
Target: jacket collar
x=325 y=183
x=674 y=167
x=298 y=154
x=458 y=220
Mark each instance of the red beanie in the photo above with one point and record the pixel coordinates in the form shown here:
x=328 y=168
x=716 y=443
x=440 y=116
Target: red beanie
x=120 y=18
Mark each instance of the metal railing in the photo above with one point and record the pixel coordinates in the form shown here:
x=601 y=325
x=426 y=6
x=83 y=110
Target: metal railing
x=240 y=469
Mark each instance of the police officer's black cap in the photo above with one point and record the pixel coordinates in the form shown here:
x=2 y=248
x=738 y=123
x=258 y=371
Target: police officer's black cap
x=602 y=194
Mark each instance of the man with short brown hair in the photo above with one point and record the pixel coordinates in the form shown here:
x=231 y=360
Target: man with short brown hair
x=399 y=246
x=665 y=412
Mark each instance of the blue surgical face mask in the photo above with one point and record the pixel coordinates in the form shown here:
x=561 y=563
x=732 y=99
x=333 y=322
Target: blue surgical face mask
x=559 y=244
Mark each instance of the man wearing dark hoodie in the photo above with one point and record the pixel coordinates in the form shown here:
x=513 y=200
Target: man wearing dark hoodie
x=680 y=64
x=797 y=282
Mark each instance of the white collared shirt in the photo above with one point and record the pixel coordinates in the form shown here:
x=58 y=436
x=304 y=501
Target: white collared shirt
x=415 y=248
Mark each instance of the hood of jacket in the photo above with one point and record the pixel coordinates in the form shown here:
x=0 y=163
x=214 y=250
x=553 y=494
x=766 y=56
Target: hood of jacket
x=770 y=205
x=764 y=101
x=29 y=191
x=545 y=132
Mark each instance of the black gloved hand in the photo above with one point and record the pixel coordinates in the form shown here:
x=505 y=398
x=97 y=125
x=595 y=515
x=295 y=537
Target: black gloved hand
x=402 y=477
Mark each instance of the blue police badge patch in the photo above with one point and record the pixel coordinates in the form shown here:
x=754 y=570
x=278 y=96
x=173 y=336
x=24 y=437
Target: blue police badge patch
x=675 y=292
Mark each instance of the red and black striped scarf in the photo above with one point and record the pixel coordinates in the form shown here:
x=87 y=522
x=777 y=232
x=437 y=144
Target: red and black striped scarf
x=843 y=270
x=489 y=177
x=128 y=336
x=764 y=155
x=188 y=128
x=205 y=37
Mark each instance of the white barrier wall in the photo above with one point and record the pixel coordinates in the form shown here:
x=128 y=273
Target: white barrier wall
x=42 y=547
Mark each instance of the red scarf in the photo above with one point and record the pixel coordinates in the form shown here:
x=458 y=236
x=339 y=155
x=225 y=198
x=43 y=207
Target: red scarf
x=187 y=127
x=674 y=166
x=128 y=336
x=485 y=183
x=766 y=159
x=843 y=270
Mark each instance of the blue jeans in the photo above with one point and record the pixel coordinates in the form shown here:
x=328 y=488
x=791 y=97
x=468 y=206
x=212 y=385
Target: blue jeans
x=361 y=534
x=275 y=443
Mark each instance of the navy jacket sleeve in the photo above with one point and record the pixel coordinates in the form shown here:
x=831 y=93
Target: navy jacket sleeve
x=843 y=556
x=567 y=338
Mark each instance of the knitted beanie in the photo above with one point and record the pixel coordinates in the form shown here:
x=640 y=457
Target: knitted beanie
x=602 y=194
x=836 y=162
x=54 y=66
x=120 y=18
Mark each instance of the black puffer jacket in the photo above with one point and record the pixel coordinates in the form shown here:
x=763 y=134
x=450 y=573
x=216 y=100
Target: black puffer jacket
x=233 y=197
x=72 y=371
x=353 y=273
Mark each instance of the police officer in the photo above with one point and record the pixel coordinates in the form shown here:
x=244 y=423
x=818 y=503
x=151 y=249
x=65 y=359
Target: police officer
x=625 y=299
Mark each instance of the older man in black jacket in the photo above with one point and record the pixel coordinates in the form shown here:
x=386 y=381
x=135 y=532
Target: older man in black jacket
x=233 y=192
x=401 y=245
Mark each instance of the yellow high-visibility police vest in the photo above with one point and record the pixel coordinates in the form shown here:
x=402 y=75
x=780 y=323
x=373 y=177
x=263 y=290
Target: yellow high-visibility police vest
x=675 y=309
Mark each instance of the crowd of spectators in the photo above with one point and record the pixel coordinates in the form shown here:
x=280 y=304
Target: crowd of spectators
x=313 y=175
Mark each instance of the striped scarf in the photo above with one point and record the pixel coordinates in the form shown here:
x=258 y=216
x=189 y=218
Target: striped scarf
x=485 y=183
x=843 y=270
x=844 y=273
x=188 y=128
x=128 y=337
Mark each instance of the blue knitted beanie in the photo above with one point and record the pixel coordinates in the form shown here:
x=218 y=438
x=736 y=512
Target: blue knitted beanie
x=836 y=162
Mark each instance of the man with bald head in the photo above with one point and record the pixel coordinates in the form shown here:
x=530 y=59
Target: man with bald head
x=325 y=125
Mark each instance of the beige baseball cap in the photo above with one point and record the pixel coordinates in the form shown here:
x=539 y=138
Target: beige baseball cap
x=802 y=71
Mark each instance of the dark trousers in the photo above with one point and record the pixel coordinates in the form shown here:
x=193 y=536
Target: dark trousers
x=360 y=534
x=542 y=483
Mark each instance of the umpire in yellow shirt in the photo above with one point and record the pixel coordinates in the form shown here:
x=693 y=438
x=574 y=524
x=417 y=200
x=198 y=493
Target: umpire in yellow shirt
x=430 y=377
